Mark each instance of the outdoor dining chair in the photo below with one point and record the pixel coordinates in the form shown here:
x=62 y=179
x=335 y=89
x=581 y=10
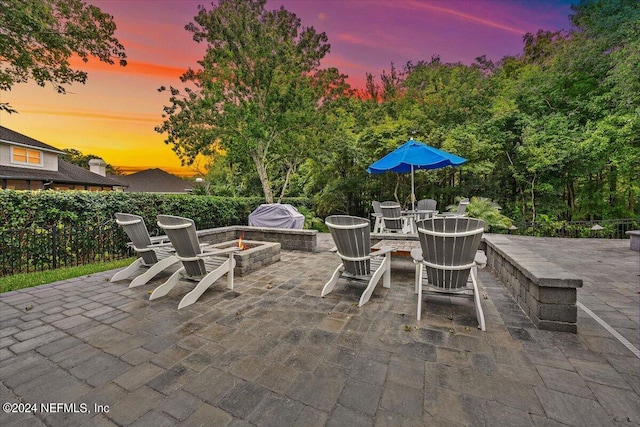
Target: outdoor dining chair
x=201 y=264
x=460 y=211
x=425 y=209
x=352 y=238
x=378 y=226
x=448 y=258
x=393 y=220
x=155 y=253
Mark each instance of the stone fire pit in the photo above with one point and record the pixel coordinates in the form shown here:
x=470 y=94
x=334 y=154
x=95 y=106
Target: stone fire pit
x=254 y=256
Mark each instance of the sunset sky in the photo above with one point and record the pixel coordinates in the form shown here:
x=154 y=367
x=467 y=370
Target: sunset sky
x=114 y=114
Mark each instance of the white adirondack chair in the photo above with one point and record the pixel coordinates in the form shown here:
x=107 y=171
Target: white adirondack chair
x=201 y=264
x=448 y=258
x=156 y=253
x=353 y=244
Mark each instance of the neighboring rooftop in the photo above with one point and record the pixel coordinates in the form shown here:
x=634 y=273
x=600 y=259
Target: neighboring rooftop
x=49 y=171
x=154 y=181
x=67 y=173
x=11 y=136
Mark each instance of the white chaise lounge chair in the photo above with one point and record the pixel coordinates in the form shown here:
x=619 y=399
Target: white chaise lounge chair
x=351 y=236
x=447 y=259
x=156 y=253
x=200 y=263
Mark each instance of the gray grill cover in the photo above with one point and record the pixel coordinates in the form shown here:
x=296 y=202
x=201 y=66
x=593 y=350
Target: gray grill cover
x=276 y=215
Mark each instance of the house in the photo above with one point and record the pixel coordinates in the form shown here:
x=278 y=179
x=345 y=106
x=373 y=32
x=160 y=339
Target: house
x=29 y=164
x=154 y=181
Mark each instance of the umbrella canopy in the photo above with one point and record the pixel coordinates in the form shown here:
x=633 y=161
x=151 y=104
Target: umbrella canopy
x=414 y=155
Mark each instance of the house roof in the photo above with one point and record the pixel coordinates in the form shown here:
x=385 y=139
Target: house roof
x=12 y=137
x=67 y=173
x=154 y=181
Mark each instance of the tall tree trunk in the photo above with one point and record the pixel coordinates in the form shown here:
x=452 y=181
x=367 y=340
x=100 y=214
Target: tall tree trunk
x=533 y=199
x=261 y=168
x=613 y=186
x=290 y=170
x=571 y=198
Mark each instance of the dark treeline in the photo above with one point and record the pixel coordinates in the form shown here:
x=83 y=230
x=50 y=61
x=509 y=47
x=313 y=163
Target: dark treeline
x=552 y=132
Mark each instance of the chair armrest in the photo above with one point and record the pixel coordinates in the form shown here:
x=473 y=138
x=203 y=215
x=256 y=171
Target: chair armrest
x=152 y=246
x=382 y=251
x=480 y=259
x=416 y=254
x=159 y=244
x=160 y=240
x=214 y=251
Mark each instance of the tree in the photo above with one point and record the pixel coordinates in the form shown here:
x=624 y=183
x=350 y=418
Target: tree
x=258 y=85
x=38 y=38
x=78 y=158
x=488 y=211
x=607 y=50
x=578 y=95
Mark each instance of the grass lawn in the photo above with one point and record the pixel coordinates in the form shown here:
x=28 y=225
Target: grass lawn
x=27 y=280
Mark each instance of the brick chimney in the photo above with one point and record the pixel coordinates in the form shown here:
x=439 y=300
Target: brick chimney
x=98 y=166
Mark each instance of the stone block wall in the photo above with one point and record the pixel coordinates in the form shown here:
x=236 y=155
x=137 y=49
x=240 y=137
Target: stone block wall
x=254 y=257
x=634 y=239
x=296 y=240
x=546 y=292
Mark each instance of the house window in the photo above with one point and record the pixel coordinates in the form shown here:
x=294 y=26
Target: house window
x=12 y=184
x=26 y=156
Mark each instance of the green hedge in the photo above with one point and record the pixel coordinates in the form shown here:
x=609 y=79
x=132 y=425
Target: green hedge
x=22 y=209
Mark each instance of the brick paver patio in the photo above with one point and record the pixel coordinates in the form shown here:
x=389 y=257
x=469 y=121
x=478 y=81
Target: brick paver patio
x=273 y=353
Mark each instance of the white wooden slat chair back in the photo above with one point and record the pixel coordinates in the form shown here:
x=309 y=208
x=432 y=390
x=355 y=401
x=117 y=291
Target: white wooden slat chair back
x=448 y=258
x=155 y=254
x=352 y=238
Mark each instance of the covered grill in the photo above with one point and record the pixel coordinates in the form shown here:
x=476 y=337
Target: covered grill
x=276 y=215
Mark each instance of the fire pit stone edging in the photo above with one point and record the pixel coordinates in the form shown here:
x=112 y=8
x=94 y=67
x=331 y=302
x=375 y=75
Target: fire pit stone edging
x=296 y=240
x=255 y=256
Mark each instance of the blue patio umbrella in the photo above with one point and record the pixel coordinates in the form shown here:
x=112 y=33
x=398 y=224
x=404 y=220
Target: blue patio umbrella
x=414 y=155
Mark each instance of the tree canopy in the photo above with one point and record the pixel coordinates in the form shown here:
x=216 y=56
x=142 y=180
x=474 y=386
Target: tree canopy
x=258 y=90
x=39 y=37
x=551 y=133
x=78 y=158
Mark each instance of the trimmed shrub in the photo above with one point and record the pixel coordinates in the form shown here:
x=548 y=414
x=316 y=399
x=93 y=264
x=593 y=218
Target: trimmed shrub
x=23 y=209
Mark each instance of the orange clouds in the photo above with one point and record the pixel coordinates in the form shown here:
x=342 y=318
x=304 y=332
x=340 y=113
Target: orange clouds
x=155 y=70
x=133 y=67
x=148 y=118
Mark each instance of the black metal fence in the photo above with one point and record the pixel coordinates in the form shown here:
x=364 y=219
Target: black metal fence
x=48 y=247
x=606 y=228
x=60 y=245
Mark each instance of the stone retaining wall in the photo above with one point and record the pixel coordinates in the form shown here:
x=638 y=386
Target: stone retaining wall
x=297 y=240
x=634 y=239
x=545 y=292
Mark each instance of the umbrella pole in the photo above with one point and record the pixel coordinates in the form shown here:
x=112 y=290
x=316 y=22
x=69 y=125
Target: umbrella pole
x=413 y=192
